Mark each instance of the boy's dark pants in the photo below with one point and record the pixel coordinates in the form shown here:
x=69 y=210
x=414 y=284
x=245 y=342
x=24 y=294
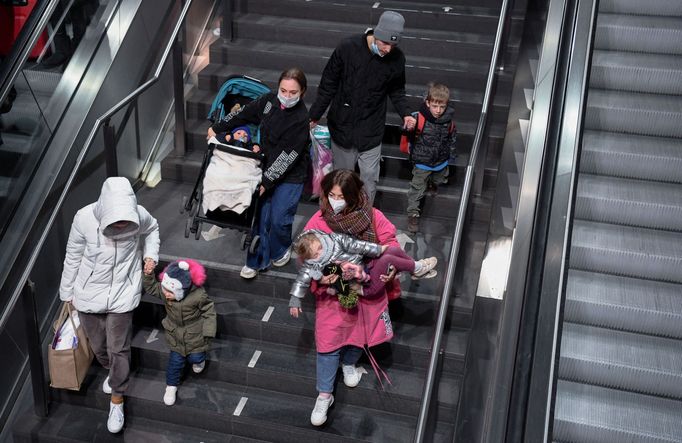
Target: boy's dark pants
x=418 y=185
x=110 y=336
x=176 y=364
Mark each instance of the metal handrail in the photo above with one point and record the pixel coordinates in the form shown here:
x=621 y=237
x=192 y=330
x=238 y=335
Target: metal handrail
x=79 y=160
x=34 y=27
x=459 y=227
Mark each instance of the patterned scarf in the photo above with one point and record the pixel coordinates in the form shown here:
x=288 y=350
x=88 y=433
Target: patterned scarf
x=358 y=223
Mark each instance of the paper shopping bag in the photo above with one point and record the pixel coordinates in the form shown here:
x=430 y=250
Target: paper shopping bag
x=69 y=355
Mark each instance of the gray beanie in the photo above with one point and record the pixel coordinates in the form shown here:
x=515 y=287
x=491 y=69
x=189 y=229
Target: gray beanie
x=389 y=28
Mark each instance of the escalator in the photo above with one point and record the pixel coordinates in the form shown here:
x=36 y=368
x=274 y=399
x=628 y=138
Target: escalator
x=620 y=361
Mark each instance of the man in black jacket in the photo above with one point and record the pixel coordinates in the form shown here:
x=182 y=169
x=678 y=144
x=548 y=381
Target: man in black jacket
x=361 y=72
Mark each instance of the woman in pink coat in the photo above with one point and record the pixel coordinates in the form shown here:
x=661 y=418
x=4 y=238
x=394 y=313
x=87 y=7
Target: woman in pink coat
x=341 y=334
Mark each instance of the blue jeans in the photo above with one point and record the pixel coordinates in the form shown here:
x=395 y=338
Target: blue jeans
x=176 y=364
x=328 y=364
x=277 y=211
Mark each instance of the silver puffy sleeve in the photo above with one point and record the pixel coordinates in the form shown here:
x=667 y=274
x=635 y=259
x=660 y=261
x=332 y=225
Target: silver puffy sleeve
x=302 y=283
x=353 y=245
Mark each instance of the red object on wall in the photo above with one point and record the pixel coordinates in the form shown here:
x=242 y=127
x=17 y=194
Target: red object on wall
x=12 y=19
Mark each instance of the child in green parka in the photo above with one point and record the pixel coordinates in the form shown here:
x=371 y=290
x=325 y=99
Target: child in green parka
x=190 y=320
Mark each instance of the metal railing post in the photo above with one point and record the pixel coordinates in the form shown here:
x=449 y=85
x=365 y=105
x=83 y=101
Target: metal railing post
x=226 y=29
x=35 y=351
x=179 y=99
x=110 y=156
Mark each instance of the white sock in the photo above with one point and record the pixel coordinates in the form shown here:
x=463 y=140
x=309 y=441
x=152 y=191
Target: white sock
x=417 y=266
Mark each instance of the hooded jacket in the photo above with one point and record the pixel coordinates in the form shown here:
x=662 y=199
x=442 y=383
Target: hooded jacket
x=103 y=265
x=189 y=323
x=366 y=324
x=355 y=84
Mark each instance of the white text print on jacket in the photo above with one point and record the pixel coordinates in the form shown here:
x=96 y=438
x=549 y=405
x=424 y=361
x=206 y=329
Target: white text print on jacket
x=103 y=263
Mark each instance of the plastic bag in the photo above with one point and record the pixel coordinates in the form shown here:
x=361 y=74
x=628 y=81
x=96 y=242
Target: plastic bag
x=320 y=157
x=66 y=337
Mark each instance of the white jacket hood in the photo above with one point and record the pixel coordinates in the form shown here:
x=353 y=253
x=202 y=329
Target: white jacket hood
x=103 y=263
x=117 y=202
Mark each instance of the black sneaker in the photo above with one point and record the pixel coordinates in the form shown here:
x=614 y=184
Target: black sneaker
x=413 y=223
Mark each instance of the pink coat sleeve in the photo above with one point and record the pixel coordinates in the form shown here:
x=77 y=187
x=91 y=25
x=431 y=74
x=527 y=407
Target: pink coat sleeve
x=385 y=229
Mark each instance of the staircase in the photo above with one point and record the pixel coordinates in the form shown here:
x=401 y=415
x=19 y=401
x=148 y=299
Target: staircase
x=259 y=382
x=620 y=367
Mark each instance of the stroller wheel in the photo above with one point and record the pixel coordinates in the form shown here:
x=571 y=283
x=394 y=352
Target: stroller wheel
x=183 y=208
x=254 y=244
x=197 y=234
x=245 y=241
x=188 y=226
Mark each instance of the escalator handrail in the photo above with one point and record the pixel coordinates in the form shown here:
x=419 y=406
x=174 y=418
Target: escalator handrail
x=521 y=393
x=551 y=294
x=23 y=45
x=425 y=404
x=35 y=252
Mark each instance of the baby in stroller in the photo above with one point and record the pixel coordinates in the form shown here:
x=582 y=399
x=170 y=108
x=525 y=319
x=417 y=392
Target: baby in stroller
x=239 y=137
x=232 y=176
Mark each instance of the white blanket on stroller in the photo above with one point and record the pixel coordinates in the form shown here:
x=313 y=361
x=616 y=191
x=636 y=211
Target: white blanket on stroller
x=230 y=181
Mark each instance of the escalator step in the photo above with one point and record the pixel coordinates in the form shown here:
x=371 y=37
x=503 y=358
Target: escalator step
x=586 y=413
x=635 y=72
x=650 y=7
x=634 y=113
x=627 y=251
x=638 y=33
x=629 y=202
x=622 y=360
x=644 y=306
x=626 y=155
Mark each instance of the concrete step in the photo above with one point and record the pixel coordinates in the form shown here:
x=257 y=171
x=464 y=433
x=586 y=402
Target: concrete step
x=291 y=370
x=426 y=42
x=466 y=103
x=456 y=74
x=444 y=16
x=73 y=423
x=216 y=406
x=241 y=314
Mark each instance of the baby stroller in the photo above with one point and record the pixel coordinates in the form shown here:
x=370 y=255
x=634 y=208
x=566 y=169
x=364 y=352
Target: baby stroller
x=237 y=90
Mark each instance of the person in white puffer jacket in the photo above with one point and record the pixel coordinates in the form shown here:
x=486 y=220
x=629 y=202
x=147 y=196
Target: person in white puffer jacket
x=102 y=278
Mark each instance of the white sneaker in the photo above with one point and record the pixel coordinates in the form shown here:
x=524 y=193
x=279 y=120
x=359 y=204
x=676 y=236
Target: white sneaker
x=426 y=271
x=169 y=396
x=319 y=415
x=116 y=418
x=106 y=388
x=248 y=273
x=284 y=260
x=198 y=367
x=351 y=375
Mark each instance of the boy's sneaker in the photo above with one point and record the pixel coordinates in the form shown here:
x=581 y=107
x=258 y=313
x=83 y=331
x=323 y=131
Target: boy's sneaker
x=116 y=418
x=426 y=270
x=284 y=260
x=413 y=223
x=198 y=367
x=351 y=375
x=248 y=273
x=106 y=387
x=169 y=396
x=319 y=415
